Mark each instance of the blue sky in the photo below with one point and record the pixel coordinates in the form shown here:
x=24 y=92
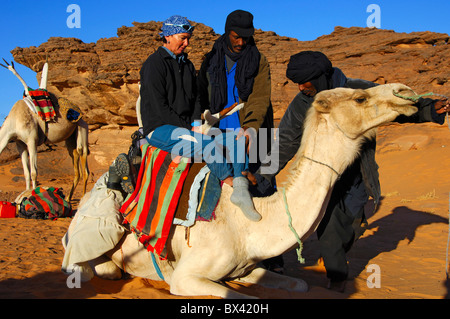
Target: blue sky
x=30 y=23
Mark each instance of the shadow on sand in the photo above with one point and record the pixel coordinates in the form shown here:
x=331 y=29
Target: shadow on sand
x=390 y=230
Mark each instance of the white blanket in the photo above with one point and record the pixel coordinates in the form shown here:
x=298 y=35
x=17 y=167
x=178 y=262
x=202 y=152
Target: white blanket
x=97 y=229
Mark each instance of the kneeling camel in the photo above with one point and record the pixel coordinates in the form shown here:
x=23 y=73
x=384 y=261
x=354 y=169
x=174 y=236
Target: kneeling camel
x=230 y=246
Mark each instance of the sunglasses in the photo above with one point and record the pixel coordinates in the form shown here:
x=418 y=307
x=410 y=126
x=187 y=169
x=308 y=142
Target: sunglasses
x=186 y=27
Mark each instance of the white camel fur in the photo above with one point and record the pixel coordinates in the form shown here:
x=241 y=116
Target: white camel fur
x=230 y=246
x=24 y=126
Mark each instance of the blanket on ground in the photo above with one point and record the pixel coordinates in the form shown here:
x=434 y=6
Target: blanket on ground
x=45 y=204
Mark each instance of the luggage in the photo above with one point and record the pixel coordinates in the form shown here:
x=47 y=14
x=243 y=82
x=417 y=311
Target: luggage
x=7 y=210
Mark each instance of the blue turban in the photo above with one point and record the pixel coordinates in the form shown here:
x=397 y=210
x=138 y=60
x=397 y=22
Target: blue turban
x=174 y=25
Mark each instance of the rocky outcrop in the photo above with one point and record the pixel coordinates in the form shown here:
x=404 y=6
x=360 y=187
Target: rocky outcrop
x=102 y=78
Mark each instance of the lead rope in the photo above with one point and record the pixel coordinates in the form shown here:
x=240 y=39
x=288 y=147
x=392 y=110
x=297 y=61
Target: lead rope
x=414 y=98
x=300 y=245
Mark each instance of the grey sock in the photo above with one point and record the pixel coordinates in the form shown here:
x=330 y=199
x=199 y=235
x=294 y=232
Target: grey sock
x=241 y=197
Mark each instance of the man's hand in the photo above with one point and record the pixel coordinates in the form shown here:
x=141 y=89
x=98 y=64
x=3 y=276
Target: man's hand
x=248 y=137
x=442 y=106
x=197 y=129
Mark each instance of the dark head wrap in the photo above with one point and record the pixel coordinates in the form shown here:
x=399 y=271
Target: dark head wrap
x=310 y=66
x=247 y=61
x=241 y=22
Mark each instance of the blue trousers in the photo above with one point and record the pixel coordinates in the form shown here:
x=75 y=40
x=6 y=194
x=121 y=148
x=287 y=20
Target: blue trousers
x=224 y=155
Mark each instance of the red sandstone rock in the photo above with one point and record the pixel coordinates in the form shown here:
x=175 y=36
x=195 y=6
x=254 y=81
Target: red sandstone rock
x=103 y=78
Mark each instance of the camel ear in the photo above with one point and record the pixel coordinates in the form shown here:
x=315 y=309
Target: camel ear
x=322 y=104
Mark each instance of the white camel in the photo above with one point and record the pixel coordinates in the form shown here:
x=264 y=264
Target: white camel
x=25 y=127
x=230 y=246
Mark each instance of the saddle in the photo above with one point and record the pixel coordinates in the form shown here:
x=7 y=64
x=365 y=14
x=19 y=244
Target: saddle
x=46 y=104
x=42 y=103
x=168 y=192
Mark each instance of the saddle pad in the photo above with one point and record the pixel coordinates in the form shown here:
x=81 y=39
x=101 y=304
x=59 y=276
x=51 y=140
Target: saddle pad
x=150 y=209
x=43 y=104
x=199 y=198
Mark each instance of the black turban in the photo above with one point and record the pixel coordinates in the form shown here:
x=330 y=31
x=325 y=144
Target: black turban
x=241 y=22
x=308 y=65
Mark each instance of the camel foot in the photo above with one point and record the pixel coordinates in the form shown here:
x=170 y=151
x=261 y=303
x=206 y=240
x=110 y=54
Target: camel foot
x=105 y=268
x=269 y=279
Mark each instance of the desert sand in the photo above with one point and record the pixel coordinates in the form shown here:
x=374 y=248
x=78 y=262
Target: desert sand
x=406 y=239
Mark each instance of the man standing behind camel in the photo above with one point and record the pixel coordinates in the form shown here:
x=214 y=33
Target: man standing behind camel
x=235 y=71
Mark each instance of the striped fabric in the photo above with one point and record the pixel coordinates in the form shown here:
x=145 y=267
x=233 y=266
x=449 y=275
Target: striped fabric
x=43 y=103
x=45 y=204
x=151 y=207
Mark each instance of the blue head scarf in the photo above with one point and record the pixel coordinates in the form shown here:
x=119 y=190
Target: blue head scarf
x=176 y=24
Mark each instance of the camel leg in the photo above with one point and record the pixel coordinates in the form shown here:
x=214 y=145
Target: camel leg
x=185 y=282
x=105 y=268
x=76 y=171
x=270 y=279
x=83 y=150
x=85 y=170
x=79 y=153
x=4 y=138
x=71 y=148
x=195 y=285
x=77 y=146
x=23 y=152
x=32 y=149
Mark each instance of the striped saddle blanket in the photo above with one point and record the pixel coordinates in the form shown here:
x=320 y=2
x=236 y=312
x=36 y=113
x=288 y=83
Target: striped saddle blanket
x=43 y=104
x=151 y=208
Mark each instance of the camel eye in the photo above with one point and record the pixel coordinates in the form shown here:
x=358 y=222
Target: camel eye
x=360 y=100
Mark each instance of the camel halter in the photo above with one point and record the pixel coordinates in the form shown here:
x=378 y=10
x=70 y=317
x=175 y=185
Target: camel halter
x=324 y=164
x=300 y=245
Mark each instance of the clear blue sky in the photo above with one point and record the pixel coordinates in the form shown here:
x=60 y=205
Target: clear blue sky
x=30 y=23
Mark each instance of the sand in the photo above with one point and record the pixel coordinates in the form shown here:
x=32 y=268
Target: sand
x=406 y=243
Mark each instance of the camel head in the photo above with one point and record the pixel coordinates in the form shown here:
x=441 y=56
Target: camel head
x=358 y=112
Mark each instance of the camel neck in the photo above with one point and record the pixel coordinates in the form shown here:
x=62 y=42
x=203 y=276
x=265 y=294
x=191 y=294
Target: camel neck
x=313 y=173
